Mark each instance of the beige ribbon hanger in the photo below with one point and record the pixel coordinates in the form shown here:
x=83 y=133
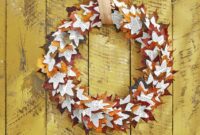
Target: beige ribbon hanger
x=105 y=11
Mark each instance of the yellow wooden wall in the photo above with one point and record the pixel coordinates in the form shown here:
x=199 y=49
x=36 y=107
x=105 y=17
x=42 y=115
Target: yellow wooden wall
x=108 y=64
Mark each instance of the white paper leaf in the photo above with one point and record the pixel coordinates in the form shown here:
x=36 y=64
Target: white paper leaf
x=96 y=117
x=140 y=112
x=65 y=25
x=71 y=72
x=50 y=61
x=146 y=98
x=62 y=38
x=119 y=4
x=68 y=54
x=151 y=80
x=159 y=39
x=128 y=107
x=108 y=121
x=80 y=24
x=162 y=86
x=67 y=103
x=75 y=36
x=152 y=53
x=125 y=100
x=165 y=52
x=162 y=69
x=96 y=105
x=56 y=79
x=135 y=25
x=123 y=116
x=52 y=49
x=117 y=18
x=80 y=94
x=67 y=88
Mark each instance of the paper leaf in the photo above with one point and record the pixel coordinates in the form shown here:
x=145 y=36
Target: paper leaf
x=50 y=61
x=75 y=36
x=125 y=100
x=162 y=86
x=117 y=18
x=159 y=39
x=140 y=113
x=152 y=53
x=67 y=103
x=135 y=25
x=56 y=79
x=68 y=54
x=80 y=94
x=80 y=24
x=67 y=88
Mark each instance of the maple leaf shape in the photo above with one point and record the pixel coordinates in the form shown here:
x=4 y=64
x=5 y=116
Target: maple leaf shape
x=135 y=25
x=140 y=39
x=162 y=69
x=117 y=18
x=80 y=94
x=95 y=117
x=153 y=22
x=75 y=36
x=165 y=52
x=146 y=98
x=67 y=88
x=119 y=4
x=151 y=80
x=86 y=8
x=52 y=49
x=152 y=53
x=96 y=105
x=62 y=38
x=140 y=113
x=50 y=61
x=80 y=24
x=56 y=79
x=162 y=86
x=68 y=53
x=67 y=103
x=159 y=39
x=122 y=117
x=66 y=24
x=125 y=100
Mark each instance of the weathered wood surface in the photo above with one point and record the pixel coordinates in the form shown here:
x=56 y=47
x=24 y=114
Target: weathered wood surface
x=2 y=65
x=186 y=100
x=163 y=114
x=25 y=97
x=108 y=64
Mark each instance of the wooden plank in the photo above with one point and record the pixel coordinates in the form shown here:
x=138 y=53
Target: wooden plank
x=2 y=65
x=25 y=96
x=163 y=114
x=58 y=123
x=109 y=60
x=186 y=85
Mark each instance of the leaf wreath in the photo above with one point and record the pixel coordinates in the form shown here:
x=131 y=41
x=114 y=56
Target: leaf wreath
x=104 y=112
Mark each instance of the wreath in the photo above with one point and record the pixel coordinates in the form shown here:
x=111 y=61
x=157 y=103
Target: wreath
x=104 y=112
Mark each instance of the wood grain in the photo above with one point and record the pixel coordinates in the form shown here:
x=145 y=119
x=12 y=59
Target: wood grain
x=57 y=123
x=109 y=66
x=2 y=64
x=163 y=114
x=187 y=53
x=109 y=62
x=25 y=96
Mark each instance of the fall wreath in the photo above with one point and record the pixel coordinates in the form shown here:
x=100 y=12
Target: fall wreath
x=106 y=112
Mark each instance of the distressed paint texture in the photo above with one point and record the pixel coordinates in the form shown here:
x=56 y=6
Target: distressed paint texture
x=2 y=64
x=108 y=64
x=25 y=96
x=187 y=83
